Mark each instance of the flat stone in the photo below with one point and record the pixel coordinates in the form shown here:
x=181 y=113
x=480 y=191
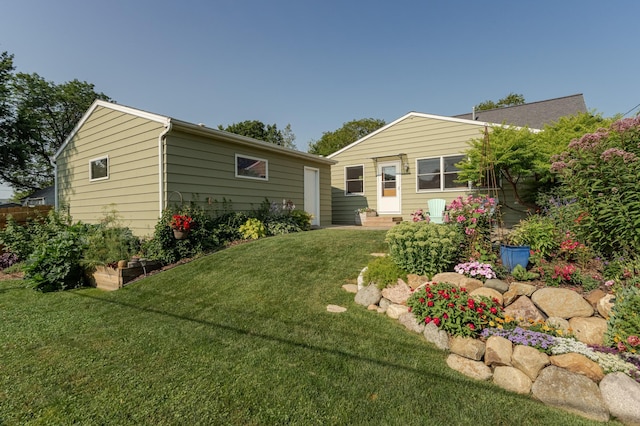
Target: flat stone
x=488 y=292
x=378 y=254
x=621 y=394
x=523 y=309
x=369 y=295
x=569 y=391
x=594 y=295
x=458 y=280
x=578 y=363
x=438 y=337
x=350 y=288
x=467 y=347
x=522 y=289
x=512 y=379
x=509 y=296
x=384 y=304
x=470 y=368
x=414 y=281
x=589 y=330
x=497 y=285
x=529 y=360
x=498 y=351
x=409 y=320
x=559 y=324
x=398 y=293
x=561 y=302
x=394 y=311
x=336 y=309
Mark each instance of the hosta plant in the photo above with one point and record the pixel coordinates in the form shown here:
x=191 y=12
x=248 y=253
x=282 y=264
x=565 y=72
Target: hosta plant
x=453 y=310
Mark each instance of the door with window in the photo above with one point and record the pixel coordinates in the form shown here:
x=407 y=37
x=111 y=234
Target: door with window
x=389 y=180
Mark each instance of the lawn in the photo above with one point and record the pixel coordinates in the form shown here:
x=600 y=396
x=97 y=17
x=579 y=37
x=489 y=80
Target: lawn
x=243 y=337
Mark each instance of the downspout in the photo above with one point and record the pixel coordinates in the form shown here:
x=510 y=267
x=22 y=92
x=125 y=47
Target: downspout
x=161 y=139
x=55 y=183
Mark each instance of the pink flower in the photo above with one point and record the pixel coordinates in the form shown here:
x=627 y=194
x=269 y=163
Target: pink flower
x=633 y=341
x=461 y=218
x=621 y=347
x=609 y=283
x=471 y=326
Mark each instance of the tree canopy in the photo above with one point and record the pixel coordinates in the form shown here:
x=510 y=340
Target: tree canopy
x=519 y=154
x=267 y=133
x=350 y=132
x=510 y=100
x=36 y=116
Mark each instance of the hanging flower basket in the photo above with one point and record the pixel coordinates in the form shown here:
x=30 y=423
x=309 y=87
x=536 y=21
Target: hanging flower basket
x=181 y=225
x=180 y=235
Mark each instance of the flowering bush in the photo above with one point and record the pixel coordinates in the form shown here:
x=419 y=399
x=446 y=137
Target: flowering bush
x=181 y=222
x=609 y=359
x=420 y=215
x=522 y=336
x=477 y=270
x=474 y=216
x=624 y=322
x=453 y=310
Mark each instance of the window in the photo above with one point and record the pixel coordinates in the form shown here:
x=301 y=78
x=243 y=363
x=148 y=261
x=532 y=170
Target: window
x=354 y=180
x=251 y=167
x=439 y=174
x=99 y=168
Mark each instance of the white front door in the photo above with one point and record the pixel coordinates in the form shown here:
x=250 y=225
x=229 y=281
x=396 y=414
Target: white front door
x=312 y=194
x=389 y=180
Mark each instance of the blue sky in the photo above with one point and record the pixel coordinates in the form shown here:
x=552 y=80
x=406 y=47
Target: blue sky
x=318 y=64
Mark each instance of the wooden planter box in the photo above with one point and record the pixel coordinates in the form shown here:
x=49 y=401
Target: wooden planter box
x=107 y=278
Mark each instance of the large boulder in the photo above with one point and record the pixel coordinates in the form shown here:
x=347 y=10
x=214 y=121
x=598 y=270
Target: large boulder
x=467 y=347
x=398 y=293
x=497 y=285
x=409 y=320
x=522 y=289
x=512 y=379
x=570 y=391
x=458 y=280
x=589 y=330
x=529 y=360
x=487 y=292
x=498 y=351
x=523 y=309
x=369 y=295
x=561 y=302
x=438 y=337
x=621 y=394
x=414 y=281
x=395 y=311
x=470 y=368
x=578 y=363
x=604 y=305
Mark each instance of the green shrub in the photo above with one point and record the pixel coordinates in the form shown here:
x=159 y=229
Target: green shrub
x=383 y=271
x=55 y=264
x=225 y=228
x=23 y=240
x=537 y=232
x=424 y=248
x=109 y=242
x=624 y=320
x=474 y=216
x=252 y=229
x=520 y=273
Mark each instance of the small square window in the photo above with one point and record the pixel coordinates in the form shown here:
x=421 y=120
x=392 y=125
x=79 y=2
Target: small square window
x=251 y=167
x=354 y=180
x=99 y=168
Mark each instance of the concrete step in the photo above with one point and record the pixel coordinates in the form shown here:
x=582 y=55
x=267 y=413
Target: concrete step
x=382 y=221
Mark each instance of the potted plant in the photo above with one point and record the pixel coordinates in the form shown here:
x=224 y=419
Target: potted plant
x=363 y=213
x=181 y=225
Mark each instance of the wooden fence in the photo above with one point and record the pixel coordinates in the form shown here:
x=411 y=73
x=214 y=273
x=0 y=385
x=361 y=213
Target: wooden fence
x=22 y=214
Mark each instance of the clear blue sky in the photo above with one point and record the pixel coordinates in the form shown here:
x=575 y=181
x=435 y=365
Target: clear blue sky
x=318 y=64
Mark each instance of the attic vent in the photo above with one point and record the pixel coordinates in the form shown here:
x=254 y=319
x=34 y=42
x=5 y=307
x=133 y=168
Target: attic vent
x=201 y=125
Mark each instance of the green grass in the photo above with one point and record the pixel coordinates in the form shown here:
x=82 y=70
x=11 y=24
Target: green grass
x=238 y=337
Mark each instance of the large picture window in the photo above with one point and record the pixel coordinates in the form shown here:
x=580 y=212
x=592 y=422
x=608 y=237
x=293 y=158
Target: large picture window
x=251 y=167
x=439 y=174
x=99 y=168
x=354 y=180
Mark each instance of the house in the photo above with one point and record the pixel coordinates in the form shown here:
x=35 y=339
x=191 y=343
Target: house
x=138 y=163
x=398 y=168
x=41 y=197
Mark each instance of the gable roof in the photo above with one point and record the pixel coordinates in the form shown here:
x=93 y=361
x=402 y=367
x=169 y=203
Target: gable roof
x=408 y=115
x=534 y=114
x=196 y=129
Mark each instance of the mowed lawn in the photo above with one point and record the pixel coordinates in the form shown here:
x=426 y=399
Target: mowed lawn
x=239 y=337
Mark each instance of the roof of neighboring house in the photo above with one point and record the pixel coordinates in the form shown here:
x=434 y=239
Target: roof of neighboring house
x=196 y=129
x=534 y=114
x=47 y=192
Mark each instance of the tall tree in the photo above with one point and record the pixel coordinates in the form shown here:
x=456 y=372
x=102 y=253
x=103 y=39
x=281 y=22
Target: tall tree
x=350 y=132
x=36 y=119
x=510 y=100
x=267 y=133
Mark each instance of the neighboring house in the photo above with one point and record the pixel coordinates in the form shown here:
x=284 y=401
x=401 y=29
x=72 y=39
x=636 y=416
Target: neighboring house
x=138 y=163
x=42 y=197
x=398 y=168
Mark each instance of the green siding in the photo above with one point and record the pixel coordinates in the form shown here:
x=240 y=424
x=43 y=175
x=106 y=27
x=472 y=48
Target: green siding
x=132 y=188
x=417 y=137
x=201 y=169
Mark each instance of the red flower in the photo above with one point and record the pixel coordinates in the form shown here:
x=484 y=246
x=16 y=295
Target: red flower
x=450 y=305
x=427 y=320
x=445 y=316
x=421 y=300
x=181 y=222
x=493 y=311
x=436 y=321
x=479 y=310
x=430 y=295
x=430 y=303
x=471 y=326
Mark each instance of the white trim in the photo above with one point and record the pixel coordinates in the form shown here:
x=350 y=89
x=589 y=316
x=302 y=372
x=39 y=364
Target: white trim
x=344 y=173
x=91 y=178
x=316 y=194
x=250 y=157
x=423 y=115
x=382 y=201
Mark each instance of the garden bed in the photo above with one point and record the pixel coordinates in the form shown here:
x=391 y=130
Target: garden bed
x=108 y=278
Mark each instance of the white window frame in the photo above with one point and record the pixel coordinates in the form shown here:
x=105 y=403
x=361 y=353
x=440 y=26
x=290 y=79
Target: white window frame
x=250 y=157
x=91 y=178
x=346 y=192
x=442 y=175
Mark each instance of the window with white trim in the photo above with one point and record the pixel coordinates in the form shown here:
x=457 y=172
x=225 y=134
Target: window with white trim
x=439 y=173
x=354 y=180
x=252 y=167
x=99 y=168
